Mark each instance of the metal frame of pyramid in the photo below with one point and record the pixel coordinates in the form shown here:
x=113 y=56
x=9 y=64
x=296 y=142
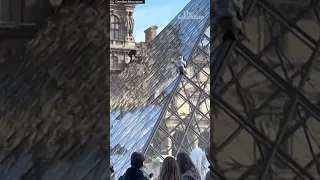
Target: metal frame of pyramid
x=266 y=99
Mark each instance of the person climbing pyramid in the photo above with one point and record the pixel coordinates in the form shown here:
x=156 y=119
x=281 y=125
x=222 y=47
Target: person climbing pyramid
x=181 y=65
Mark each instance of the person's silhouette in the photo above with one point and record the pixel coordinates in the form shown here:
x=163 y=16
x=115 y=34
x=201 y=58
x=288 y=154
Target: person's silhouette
x=132 y=53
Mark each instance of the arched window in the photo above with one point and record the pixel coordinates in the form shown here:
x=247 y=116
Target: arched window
x=114 y=62
x=114 y=28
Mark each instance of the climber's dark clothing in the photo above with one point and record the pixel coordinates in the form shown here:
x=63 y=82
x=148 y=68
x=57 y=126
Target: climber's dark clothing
x=132 y=53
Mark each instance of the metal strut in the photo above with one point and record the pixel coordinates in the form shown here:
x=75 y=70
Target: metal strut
x=218 y=64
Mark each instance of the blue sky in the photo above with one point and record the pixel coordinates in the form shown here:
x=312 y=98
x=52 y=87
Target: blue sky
x=155 y=12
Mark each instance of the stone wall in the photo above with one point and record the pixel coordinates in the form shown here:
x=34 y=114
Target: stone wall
x=54 y=102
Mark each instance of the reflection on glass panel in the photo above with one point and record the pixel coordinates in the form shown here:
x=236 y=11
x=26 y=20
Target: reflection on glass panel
x=184 y=110
x=200 y=125
x=131 y=130
x=190 y=141
x=204 y=105
x=130 y=133
x=177 y=131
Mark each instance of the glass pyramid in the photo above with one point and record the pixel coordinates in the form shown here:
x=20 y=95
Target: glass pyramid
x=153 y=109
x=266 y=96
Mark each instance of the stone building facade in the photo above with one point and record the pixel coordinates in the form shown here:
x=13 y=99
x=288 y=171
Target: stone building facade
x=121 y=40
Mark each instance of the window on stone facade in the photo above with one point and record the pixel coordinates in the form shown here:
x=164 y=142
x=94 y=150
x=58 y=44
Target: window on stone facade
x=115 y=28
x=114 y=62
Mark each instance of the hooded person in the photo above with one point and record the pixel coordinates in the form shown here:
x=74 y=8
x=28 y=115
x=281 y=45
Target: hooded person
x=151 y=176
x=132 y=54
x=135 y=171
x=200 y=160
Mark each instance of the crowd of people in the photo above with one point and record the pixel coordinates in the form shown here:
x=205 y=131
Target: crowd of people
x=181 y=168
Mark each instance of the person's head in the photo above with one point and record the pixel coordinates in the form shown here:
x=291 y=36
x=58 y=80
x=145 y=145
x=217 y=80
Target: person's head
x=137 y=160
x=207 y=151
x=132 y=52
x=151 y=175
x=111 y=167
x=180 y=58
x=169 y=169
x=185 y=163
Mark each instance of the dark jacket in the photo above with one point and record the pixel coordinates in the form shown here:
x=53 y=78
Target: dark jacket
x=191 y=175
x=133 y=174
